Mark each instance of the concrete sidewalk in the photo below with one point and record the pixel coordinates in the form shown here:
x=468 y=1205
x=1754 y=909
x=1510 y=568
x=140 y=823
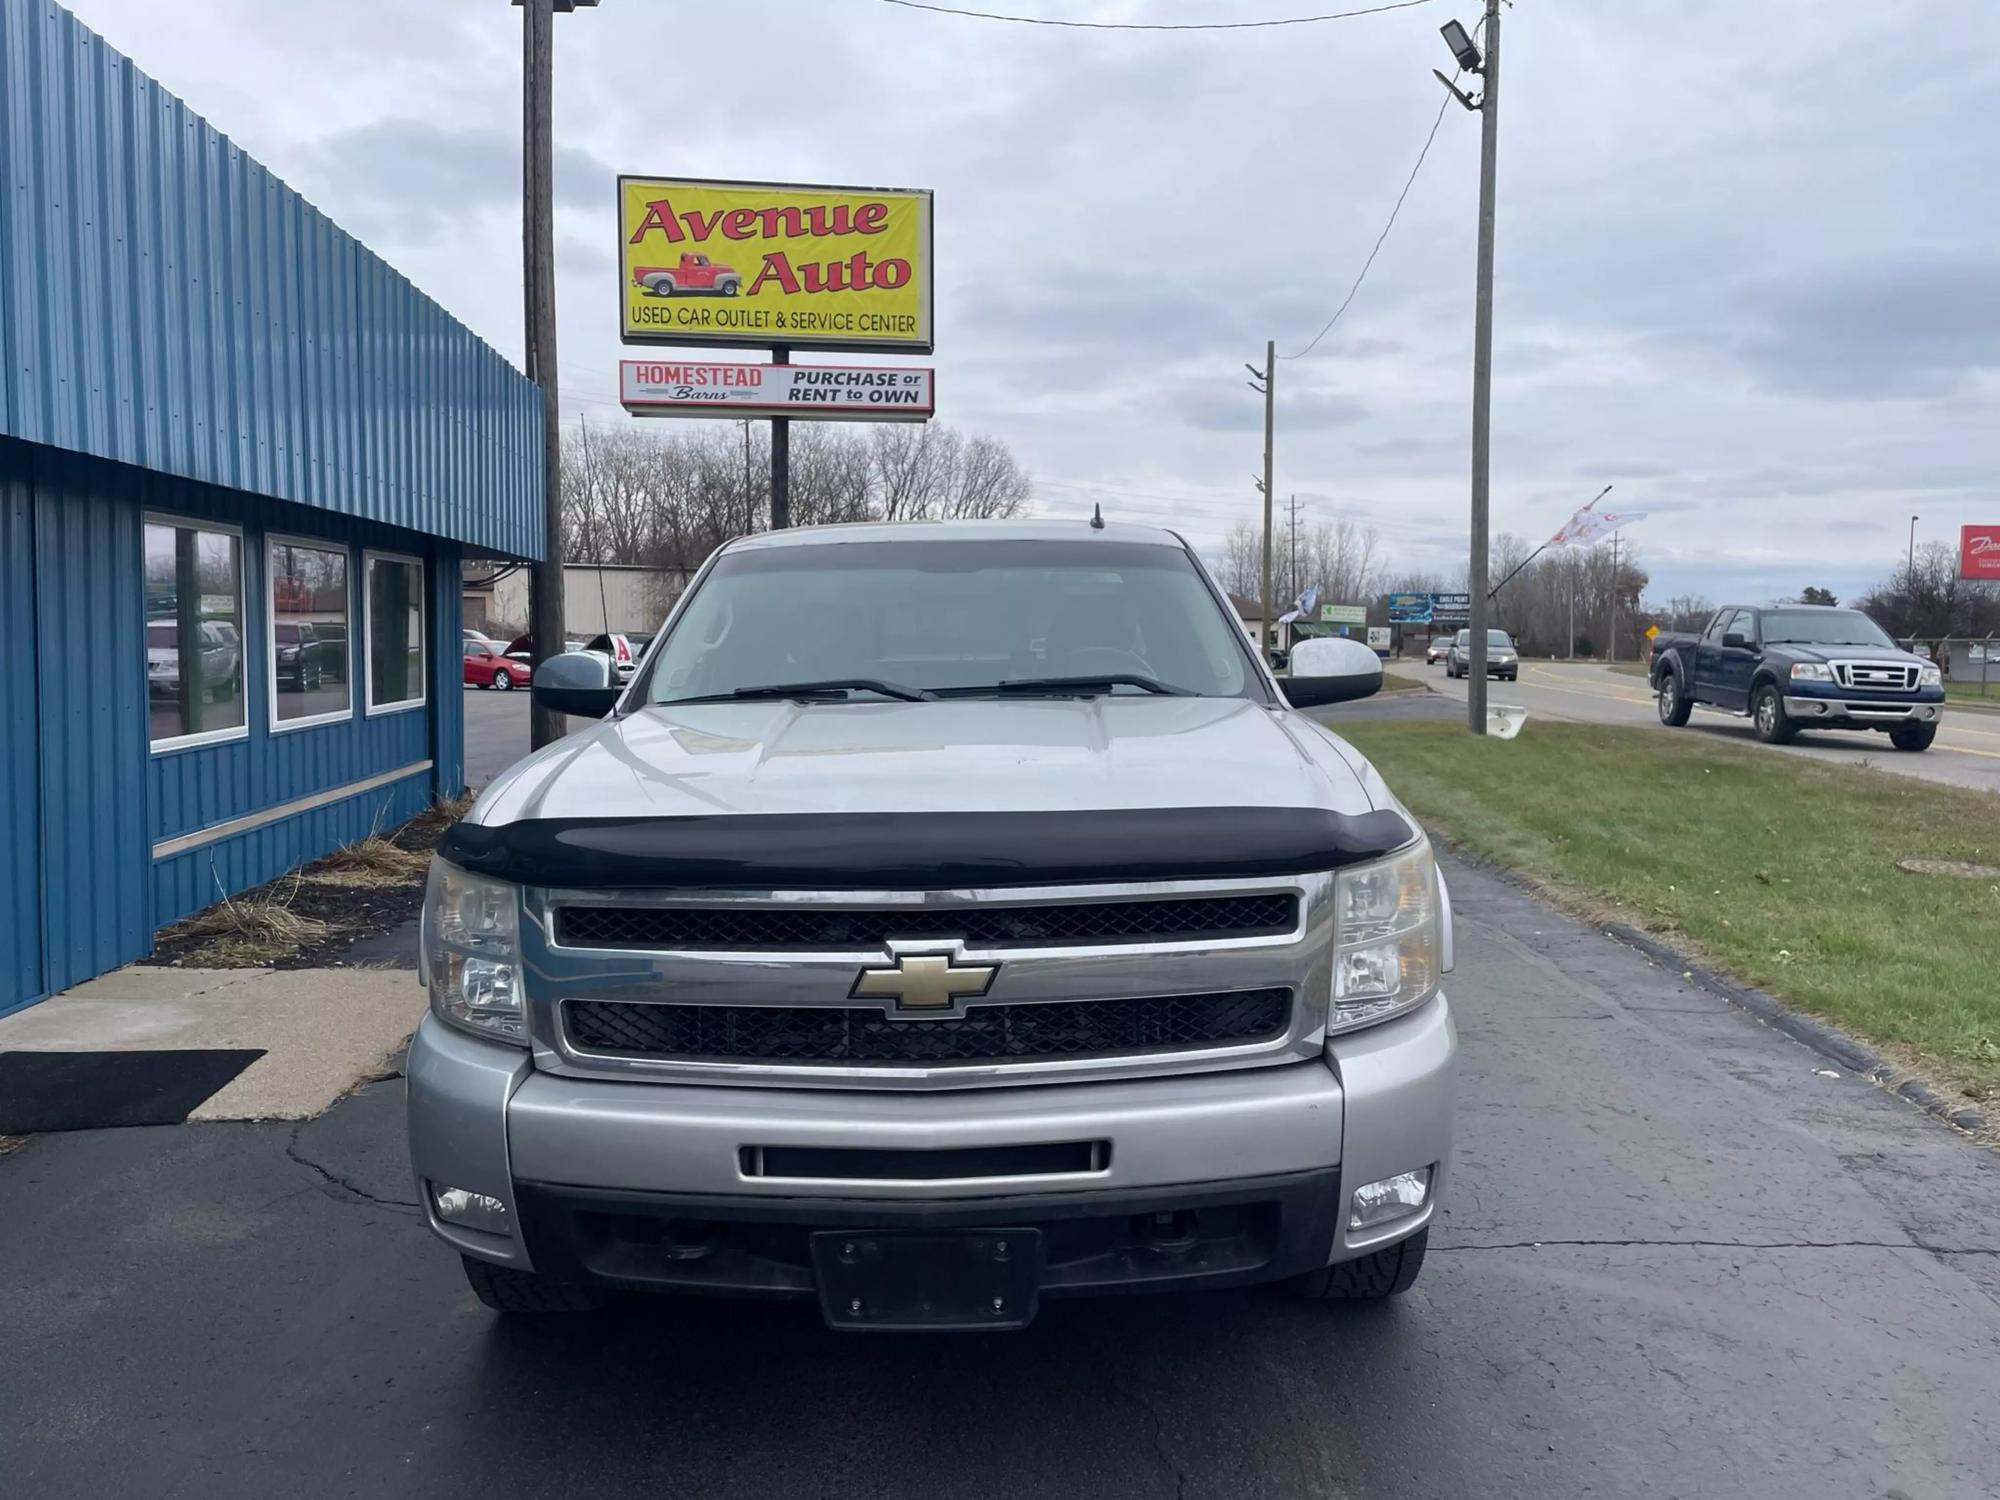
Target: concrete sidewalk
x=322 y=1031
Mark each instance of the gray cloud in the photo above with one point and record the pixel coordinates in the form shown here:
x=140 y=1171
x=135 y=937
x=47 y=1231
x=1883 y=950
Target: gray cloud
x=1912 y=326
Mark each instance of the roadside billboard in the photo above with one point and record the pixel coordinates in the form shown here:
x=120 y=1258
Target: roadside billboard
x=1979 y=552
x=1451 y=609
x=1409 y=609
x=758 y=264
x=816 y=393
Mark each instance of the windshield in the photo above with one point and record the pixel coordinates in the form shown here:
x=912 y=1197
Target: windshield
x=963 y=617
x=1823 y=627
x=1497 y=638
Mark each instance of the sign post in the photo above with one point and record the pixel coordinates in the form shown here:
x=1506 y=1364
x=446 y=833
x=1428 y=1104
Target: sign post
x=777 y=266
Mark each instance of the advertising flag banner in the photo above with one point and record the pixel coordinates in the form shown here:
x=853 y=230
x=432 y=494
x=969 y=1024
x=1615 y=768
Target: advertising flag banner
x=1588 y=527
x=757 y=264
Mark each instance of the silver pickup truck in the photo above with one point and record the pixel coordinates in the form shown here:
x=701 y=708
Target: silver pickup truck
x=943 y=918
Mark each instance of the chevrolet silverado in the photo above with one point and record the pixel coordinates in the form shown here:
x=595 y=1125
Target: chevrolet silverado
x=945 y=918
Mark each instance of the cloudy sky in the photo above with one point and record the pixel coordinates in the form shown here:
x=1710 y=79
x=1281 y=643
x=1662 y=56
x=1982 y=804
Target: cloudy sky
x=1749 y=250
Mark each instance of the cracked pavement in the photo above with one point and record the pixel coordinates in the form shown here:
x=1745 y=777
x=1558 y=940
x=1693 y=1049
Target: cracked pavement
x=1676 y=1260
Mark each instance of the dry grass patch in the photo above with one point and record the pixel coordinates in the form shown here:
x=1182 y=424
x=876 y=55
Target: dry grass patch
x=247 y=934
x=374 y=861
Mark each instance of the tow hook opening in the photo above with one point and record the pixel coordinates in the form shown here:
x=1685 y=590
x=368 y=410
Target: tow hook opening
x=1169 y=1233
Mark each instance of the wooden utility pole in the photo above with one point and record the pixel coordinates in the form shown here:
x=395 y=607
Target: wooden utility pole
x=545 y=606
x=1482 y=371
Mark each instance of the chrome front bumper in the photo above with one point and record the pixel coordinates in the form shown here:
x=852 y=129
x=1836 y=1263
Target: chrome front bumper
x=1857 y=711
x=482 y=1118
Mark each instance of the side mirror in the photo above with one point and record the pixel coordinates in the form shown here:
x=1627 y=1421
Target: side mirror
x=577 y=682
x=1331 y=669
x=1736 y=641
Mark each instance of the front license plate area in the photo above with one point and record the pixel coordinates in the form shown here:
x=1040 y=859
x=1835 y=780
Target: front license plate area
x=965 y=1280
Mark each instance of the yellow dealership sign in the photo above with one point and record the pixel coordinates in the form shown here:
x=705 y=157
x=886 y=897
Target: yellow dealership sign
x=756 y=264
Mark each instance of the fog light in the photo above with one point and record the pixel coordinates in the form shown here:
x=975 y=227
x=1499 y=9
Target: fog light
x=471 y=1210
x=1391 y=1198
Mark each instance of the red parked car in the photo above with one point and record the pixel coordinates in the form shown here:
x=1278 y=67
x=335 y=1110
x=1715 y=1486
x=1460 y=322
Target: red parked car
x=487 y=666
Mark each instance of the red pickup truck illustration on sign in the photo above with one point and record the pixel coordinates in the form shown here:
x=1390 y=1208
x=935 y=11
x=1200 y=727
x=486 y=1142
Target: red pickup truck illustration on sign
x=695 y=273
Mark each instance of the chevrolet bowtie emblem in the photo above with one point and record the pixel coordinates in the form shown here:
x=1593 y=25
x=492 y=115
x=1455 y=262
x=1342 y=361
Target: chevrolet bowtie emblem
x=926 y=981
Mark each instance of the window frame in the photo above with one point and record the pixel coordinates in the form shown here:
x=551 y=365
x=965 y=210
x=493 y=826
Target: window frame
x=273 y=540
x=206 y=737
x=370 y=708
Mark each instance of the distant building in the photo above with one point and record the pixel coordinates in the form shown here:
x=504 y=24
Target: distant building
x=597 y=597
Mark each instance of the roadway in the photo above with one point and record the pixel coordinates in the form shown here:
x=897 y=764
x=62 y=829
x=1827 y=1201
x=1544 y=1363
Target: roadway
x=1966 y=753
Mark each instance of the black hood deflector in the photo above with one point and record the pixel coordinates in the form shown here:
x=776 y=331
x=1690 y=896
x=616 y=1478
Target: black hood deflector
x=923 y=851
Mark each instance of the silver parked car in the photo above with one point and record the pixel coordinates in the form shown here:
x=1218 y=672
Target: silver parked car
x=1007 y=934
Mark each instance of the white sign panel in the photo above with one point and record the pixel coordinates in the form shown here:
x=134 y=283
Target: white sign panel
x=1378 y=637
x=812 y=393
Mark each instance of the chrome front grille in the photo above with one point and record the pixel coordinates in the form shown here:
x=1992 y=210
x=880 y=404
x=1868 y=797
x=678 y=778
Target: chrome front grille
x=929 y=989
x=669 y=928
x=1879 y=676
x=985 y=1034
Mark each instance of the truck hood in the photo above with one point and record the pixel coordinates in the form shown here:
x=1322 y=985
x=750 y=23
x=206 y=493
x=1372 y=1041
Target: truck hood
x=1799 y=652
x=972 y=755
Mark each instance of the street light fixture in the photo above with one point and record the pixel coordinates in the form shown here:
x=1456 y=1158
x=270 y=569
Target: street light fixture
x=1462 y=47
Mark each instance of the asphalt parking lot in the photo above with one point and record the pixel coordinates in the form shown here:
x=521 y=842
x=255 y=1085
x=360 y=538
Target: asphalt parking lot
x=1677 y=1258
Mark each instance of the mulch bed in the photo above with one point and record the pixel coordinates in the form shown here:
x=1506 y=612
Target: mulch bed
x=366 y=914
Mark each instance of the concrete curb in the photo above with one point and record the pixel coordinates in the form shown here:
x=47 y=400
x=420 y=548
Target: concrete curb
x=1822 y=1038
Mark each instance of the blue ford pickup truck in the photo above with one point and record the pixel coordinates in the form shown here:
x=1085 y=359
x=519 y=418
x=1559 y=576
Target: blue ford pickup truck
x=1793 y=667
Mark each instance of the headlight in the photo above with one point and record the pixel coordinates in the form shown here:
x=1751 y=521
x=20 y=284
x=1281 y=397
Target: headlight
x=1931 y=676
x=1811 y=671
x=473 y=954
x=1387 y=958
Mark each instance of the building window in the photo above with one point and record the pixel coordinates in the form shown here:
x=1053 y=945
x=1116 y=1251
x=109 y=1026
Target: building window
x=194 y=635
x=393 y=595
x=309 y=612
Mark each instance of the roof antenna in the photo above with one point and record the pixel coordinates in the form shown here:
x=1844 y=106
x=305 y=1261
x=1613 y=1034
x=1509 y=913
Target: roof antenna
x=1097 y=517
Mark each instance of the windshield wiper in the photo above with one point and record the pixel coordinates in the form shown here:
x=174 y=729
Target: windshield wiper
x=814 y=690
x=1088 y=685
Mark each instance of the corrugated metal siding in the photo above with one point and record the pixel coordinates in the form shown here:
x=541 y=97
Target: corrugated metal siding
x=20 y=783
x=89 y=660
x=167 y=302
x=448 y=697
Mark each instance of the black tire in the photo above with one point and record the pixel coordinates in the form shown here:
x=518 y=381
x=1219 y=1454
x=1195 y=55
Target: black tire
x=661 y=286
x=1913 y=736
x=503 y=681
x=1389 y=1272
x=1767 y=712
x=728 y=288
x=1674 y=705
x=510 y=1291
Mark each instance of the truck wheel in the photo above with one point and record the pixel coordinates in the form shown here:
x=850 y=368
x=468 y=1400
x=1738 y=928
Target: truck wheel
x=661 y=286
x=1674 y=707
x=509 y=1291
x=1774 y=725
x=729 y=288
x=1913 y=736
x=1389 y=1272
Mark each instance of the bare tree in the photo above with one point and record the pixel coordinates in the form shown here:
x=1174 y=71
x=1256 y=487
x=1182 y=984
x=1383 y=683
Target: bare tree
x=1240 y=564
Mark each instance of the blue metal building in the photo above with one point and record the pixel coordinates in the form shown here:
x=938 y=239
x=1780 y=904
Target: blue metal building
x=240 y=461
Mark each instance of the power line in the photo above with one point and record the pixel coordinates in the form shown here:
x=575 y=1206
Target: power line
x=983 y=15
x=1407 y=185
